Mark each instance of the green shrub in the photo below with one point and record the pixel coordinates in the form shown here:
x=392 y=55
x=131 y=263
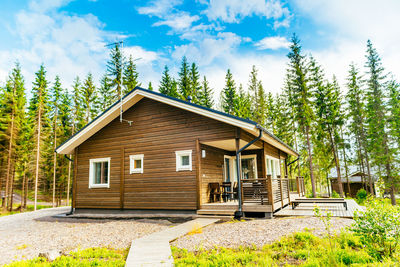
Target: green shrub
x=361 y=196
x=335 y=194
x=378 y=228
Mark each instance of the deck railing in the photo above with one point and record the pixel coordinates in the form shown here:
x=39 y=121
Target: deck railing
x=300 y=186
x=266 y=191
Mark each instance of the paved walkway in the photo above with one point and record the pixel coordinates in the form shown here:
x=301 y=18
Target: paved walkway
x=155 y=250
x=336 y=210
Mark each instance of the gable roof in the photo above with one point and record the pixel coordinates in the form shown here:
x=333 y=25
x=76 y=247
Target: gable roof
x=138 y=93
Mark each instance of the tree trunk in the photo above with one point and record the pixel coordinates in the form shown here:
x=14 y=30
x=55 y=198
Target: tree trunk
x=11 y=199
x=345 y=164
x=362 y=143
x=335 y=157
x=37 y=158
x=23 y=189
x=9 y=163
x=392 y=195
x=310 y=162
x=26 y=191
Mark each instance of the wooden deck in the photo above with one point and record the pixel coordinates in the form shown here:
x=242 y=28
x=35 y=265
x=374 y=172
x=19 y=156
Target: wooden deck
x=337 y=210
x=229 y=208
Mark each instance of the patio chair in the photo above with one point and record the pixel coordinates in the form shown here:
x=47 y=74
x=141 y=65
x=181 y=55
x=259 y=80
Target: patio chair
x=215 y=192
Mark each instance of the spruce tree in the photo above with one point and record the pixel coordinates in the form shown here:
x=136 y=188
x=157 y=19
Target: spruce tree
x=394 y=108
x=355 y=99
x=13 y=116
x=115 y=68
x=105 y=99
x=166 y=82
x=301 y=98
x=242 y=104
x=150 y=87
x=130 y=76
x=378 y=142
x=228 y=94
x=206 y=94
x=56 y=92
x=271 y=112
x=195 y=87
x=89 y=98
x=184 y=80
x=38 y=112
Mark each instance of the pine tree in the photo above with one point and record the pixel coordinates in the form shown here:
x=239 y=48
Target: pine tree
x=394 y=108
x=105 y=99
x=228 y=96
x=253 y=90
x=150 y=87
x=77 y=110
x=357 y=117
x=184 y=80
x=378 y=142
x=301 y=98
x=166 y=82
x=242 y=102
x=11 y=123
x=195 y=87
x=130 y=76
x=262 y=105
x=38 y=111
x=55 y=103
x=88 y=98
x=115 y=68
x=206 y=95
x=271 y=112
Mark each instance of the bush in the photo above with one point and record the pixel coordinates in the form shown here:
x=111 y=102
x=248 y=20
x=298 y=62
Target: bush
x=335 y=194
x=361 y=196
x=378 y=228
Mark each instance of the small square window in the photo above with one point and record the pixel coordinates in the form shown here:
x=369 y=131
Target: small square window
x=136 y=163
x=99 y=173
x=184 y=160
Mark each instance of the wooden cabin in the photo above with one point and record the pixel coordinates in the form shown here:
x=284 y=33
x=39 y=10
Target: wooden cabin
x=357 y=180
x=155 y=152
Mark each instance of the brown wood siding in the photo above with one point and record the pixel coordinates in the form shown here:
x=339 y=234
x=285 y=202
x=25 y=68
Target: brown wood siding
x=211 y=169
x=158 y=130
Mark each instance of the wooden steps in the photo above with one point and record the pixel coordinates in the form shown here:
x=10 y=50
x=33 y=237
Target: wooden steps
x=225 y=212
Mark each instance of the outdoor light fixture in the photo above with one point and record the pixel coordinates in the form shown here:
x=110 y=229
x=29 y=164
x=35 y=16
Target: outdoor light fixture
x=203 y=153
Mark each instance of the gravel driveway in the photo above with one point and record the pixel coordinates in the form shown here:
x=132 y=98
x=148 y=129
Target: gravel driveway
x=25 y=235
x=254 y=232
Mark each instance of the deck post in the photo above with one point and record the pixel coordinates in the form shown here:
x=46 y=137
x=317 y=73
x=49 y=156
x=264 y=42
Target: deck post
x=122 y=180
x=288 y=188
x=270 y=192
x=280 y=182
x=75 y=178
x=198 y=173
x=298 y=185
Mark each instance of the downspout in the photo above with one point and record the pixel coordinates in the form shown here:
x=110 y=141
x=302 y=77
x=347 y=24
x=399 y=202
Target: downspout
x=72 y=191
x=239 y=212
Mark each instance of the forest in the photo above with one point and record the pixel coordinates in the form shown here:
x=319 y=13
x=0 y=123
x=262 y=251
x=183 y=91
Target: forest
x=336 y=128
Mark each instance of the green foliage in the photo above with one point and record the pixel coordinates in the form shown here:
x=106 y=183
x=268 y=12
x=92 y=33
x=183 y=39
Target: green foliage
x=335 y=194
x=379 y=228
x=130 y=79
x=229 y=95
x=361 y=196
x=184 y=83
x=87 y=257
x=105 y=98
x=89 y=98
x=205 y=96
x=168 y=85
x=298 y=249
x=115 y=68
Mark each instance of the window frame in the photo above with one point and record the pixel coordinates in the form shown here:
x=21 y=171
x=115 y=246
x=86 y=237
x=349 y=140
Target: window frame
x=273 y=166
x=132 y=159
x=180 y=154
x=92 y=173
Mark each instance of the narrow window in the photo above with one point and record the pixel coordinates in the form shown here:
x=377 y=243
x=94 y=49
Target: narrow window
x=183 y=160
x=136 y=163
x=99 y=173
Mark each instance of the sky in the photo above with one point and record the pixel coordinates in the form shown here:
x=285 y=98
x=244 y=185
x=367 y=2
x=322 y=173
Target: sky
x=70 y=37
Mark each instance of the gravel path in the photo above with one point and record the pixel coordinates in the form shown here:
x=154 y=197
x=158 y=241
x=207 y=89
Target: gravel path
x=24 y=235
x=254 y=232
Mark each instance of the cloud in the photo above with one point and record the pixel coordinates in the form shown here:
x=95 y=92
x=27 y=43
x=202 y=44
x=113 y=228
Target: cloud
x=233 y=11
x=178 y=21
x=159 y=7
x=273 y=43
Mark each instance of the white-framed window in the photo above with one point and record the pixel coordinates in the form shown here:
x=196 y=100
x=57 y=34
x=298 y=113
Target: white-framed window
x=99 y=173
x=273 y=166
x=136 y=163
x=183 y=160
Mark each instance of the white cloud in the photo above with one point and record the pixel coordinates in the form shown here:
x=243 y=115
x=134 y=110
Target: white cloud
x=178 y=21
x=349 y=24
x=275 y=42
x=159 y=7
x=233 y=11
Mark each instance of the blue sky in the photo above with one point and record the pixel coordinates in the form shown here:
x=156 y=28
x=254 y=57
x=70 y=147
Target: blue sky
x=69 y=37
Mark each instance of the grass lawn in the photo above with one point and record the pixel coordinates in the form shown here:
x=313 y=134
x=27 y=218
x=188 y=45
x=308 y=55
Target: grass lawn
x=299 y=249
x=86 y=257
x=28 y=208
